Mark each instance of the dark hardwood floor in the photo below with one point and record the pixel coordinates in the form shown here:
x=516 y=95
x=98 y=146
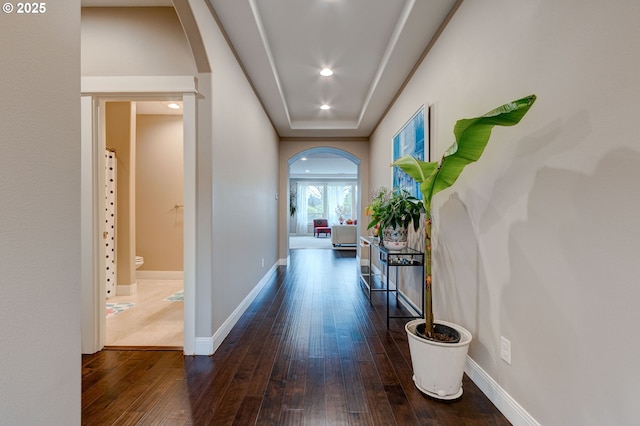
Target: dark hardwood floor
x=310 y=350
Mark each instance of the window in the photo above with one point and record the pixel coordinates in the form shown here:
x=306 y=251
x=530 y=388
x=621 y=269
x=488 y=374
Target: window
x=328 y=200
x=315 y=197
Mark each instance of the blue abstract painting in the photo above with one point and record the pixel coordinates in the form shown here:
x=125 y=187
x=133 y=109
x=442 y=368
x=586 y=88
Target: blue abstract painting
x=410 y=140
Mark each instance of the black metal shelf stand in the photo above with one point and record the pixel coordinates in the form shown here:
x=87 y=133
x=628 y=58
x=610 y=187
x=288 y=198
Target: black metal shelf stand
x=406 y=257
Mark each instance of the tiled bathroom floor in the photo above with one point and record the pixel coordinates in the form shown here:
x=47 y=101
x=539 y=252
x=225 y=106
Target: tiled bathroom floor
x=152 y=320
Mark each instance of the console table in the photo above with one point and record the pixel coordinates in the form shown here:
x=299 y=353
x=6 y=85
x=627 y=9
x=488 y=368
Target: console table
x=407 y=257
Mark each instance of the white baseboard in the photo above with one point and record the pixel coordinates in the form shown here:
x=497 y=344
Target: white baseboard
x=204 y=346
x=159 y=275
x=513 y=411
x=283 y=262
x=126 y=290
x=208 y=345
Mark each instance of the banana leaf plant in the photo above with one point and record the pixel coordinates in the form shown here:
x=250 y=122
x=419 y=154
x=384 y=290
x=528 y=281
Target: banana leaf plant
x=472 y=136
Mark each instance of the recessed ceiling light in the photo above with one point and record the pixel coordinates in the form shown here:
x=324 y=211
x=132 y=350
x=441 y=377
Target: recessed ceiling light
x=326 y=72
x=307 y=171
x=174 y=106
x=303 y=159
x=325 y=106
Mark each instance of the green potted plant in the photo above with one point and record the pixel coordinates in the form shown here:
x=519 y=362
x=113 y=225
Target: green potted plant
x=472 y=136
x=393 y=211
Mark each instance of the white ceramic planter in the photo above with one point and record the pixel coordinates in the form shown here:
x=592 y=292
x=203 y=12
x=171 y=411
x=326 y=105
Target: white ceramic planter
x=395 y=239
x=438 y=367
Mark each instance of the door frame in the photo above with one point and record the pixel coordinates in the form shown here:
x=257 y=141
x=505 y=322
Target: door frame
x=95 y=92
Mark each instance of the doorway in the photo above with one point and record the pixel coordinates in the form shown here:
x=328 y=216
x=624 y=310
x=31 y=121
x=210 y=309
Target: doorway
x=97 y=91
x=145 y=145
x=323 y=184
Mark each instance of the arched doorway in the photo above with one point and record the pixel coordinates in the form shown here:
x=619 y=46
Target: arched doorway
x=322 y=182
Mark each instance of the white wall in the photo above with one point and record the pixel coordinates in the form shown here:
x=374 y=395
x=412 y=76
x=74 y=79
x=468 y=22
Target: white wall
x=537 y=241
x=40 y=217
x=243 y=175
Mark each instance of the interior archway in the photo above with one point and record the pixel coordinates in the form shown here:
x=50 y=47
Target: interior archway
x=328 y=167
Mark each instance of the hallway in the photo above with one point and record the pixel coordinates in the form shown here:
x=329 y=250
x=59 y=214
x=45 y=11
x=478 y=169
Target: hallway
x=309 y=350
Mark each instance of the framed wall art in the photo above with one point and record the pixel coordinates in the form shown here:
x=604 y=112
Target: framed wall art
x=411 y=139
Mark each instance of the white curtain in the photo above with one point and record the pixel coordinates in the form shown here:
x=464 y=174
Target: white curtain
x=335 y=197
x=301 y=209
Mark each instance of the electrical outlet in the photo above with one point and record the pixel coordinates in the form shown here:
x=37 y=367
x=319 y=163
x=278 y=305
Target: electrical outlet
x=505 y=350
x=263 y=262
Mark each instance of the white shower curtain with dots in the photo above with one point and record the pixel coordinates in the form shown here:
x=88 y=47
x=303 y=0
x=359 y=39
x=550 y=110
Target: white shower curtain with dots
x=110 y=221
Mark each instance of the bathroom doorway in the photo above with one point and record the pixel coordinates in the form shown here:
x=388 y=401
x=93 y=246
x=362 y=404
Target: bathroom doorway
x=97 y=92
x=144 y=140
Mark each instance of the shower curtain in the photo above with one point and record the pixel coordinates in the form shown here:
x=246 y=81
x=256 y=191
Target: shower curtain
x=110 y=221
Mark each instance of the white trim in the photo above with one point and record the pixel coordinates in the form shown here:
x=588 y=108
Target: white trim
x=203 y=346
x=93 y=285
x=138 y=84
x=267 y=50
x=159 y=275
x=283 y=262
x=93 y=198
x=126 y=290
x=189 y=126
x=508 y=406
x=385 y=61
x=208 y=345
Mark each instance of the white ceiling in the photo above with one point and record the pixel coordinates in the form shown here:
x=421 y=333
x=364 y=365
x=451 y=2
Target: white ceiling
x=372 y=46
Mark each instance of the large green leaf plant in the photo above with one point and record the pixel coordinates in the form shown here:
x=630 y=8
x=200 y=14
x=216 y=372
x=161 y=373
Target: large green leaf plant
x=472 y=136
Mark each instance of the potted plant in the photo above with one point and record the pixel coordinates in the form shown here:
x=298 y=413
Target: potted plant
x=341 y=211
x=393 y=211
x=427 y=336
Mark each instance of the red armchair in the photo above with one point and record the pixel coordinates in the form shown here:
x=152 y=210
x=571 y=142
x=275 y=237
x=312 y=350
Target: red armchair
x=321 y=226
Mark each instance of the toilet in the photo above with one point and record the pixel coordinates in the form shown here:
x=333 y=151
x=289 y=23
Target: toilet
x=139 y=261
